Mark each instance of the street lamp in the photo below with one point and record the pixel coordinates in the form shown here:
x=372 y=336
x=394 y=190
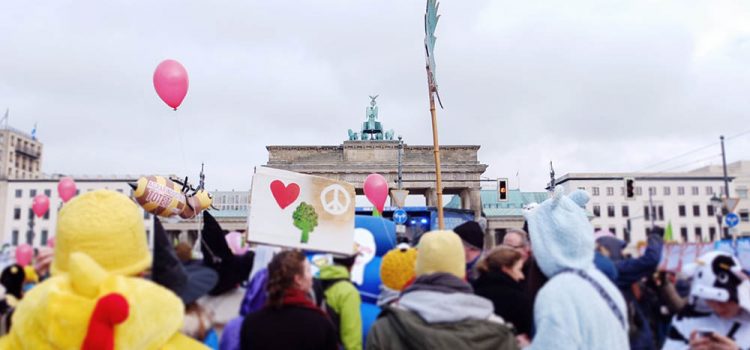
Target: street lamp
x=717 y=203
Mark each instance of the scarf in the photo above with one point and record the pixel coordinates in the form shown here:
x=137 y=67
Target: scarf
x=296 y=297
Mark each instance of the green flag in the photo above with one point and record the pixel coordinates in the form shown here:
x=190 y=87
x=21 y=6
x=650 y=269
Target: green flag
x=668 y=232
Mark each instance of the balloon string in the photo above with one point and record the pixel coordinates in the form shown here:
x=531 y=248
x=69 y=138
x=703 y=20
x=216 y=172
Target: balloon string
x=182 y=147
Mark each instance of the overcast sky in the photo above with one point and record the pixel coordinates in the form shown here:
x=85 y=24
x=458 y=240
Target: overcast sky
x=591 y=85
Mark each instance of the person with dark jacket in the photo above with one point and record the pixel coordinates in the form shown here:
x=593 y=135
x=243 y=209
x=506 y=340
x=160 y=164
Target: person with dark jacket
x=289 y=320
x=500 y=276
x=439 y=310
x=630 y=271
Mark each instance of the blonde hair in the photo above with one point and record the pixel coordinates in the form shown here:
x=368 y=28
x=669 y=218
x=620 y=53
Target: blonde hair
x=498 y=258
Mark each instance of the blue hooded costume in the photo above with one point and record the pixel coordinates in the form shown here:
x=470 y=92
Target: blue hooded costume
x=579 y=307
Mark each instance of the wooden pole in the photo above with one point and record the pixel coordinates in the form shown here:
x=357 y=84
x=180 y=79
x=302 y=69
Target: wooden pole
x=436 y=147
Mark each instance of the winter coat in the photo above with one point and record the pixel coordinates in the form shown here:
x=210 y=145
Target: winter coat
x=630 y=271
x=292 y=326
x=510 y=300
x=439 y=311
x=342 y=300
x=570 y=312
x=606 y=266
x=690 y=319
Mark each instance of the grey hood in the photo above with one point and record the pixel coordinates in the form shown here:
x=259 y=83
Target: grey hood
x=442 y=297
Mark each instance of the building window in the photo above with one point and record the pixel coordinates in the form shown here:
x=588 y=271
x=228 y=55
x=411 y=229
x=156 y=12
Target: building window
x=613 y=230
x=696 y=191
x=611 y=191
x=15 y=237
x=646 y=213
x=638 y=190
x=45 y=233
x=597 y=210
x=625 y=211
x=710 y=210
x=681 y=210
x=611 y=210
x=744 y=215
x=17 y=214
x=622 y=190
x=667 y=190
x=661 y=213
x=742 y=193
x=30 y=238
x=594 y=191
x=696 y=210
x=652 y=191
x=48 y=193
x=709 y=190
x=684 y=233
x=46 y=215
x=680 y=191
x=712 y=233
x=32 y=193
x=31 y=213
x=19 y=193
x=698 y=234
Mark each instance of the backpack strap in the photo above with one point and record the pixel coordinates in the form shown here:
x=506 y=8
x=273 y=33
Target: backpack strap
x=603 y=293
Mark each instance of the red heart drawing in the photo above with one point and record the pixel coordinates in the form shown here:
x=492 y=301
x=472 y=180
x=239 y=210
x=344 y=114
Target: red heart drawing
x=284 y=195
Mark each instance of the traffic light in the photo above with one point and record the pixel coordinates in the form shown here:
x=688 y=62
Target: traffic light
x=629 y=188
x=502 y=190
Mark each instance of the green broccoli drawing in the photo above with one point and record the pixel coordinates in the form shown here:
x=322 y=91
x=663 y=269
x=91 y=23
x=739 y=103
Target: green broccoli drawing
x=305 y=219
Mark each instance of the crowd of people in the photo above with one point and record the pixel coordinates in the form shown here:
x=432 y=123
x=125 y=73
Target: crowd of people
x=555 y=284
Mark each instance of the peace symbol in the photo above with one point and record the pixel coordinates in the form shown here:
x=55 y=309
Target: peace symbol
x=340 y=200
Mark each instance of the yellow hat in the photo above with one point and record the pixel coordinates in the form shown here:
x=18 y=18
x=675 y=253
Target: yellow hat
x=108 y=227
x=397 y=267
x=441 y=251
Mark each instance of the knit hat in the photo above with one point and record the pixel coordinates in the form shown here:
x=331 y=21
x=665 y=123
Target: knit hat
x=718 y=276
x=397 y=266
x=108 y=227
x=471 y=233
x=440 y=251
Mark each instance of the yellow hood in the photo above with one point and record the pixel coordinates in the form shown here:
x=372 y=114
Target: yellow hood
x=56 y=313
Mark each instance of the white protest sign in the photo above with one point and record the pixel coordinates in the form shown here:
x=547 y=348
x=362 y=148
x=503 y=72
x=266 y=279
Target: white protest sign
x=295 y=210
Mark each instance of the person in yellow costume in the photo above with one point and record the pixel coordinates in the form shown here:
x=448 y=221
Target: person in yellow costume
x=95 y=298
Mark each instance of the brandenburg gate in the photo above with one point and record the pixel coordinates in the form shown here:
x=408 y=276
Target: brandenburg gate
x=375 y=151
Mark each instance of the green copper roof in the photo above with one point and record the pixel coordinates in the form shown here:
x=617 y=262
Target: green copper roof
x=516 y=200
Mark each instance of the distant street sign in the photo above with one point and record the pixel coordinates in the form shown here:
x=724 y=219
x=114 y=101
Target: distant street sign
x=399 y=196
x=731 y=203
x=731 y=220
x=399 y=216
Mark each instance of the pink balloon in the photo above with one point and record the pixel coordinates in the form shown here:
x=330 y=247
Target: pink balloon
x=24 y=254
x=51 y=242
x=234 y=240
x=40 y=205
x=376 y=190
x=171 y=82
x=66 y=188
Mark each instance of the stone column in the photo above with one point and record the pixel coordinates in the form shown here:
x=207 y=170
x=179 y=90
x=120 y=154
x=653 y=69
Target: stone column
x=465 y=199
x=475 y=200
x=431 y=195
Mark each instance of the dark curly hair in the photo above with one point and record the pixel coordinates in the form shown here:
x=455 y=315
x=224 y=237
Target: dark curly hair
x=281 y=271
